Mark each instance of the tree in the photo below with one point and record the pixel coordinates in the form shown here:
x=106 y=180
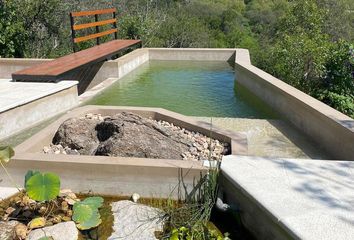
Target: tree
x=301 y=48
x=12 y=32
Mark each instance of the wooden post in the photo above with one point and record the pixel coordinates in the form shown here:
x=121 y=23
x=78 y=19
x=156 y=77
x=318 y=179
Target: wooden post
x=72 y=31
x=97 y=30
x=115 y=25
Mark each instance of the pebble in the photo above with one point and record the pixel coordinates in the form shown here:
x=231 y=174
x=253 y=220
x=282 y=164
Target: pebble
x=135 y=197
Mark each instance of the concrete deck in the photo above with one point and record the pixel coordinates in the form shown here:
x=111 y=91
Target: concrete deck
x=14 y=94
x=23 y=105
x=307 y=199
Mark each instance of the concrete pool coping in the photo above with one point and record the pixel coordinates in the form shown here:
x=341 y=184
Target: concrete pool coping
x=325 y=125
x=291 y=198
x=15 y=94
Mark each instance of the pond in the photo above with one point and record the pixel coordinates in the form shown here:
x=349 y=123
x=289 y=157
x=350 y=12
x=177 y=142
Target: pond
x=193 y=88
x=220 y=222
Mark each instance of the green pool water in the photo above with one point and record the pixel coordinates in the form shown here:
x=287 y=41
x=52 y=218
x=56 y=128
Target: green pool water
x=194 y=88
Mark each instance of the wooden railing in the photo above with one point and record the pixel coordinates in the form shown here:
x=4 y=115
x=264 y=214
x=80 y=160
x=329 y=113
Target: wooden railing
x=96 y=24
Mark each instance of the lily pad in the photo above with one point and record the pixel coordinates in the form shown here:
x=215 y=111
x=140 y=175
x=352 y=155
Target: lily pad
x=29 y=174
x=43 y=186
x=6 y=153
x=95 y=202
x=86 y=216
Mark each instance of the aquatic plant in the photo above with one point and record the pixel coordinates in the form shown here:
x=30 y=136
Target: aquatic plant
x=184 y=233
x=43 y=204
x=42 y=186
x=85 y=213
x=190 y=219
x=6 y=153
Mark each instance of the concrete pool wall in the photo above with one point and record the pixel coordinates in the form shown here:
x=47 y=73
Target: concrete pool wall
x=326 y=126
x=119 y=175
x=23 y=105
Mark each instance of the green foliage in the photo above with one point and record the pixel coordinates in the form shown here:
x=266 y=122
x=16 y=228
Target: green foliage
x=29 y=174
x=95 y=202
x=6 y=153
x=304 y=56
x=184 y=233
x=46 y=238
x=85 y=213
x=340 y=69
x=43 y=186
x=343 y=103
x=12 y=31
x=190 y=219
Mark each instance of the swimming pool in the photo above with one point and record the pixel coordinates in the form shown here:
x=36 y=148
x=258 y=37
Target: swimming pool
x=194 y=88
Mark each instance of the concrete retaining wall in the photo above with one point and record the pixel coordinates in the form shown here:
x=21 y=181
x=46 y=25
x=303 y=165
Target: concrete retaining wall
x=153 y=178
x=325 y=125
x=254 y=217
x=119 y=175
x=120 y=67
x=30 y=113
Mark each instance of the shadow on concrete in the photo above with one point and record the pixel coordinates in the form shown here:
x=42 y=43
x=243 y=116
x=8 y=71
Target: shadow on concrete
x=328 y=183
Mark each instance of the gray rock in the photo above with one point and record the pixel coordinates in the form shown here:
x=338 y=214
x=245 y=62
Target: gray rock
x=60 y=231
x=79 y=134
x=129 y=135
x=135 y=221
x=7 y=230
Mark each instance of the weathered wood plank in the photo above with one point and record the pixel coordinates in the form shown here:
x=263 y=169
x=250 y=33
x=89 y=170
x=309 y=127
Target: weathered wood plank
x=95 y=35
x=88 y=13
x=93 y=24
x=53 y=70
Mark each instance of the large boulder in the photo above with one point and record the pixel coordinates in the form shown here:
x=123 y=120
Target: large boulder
x=135 y=221
x=129 y=135
x=78 y=134
x=124 y=135
x=60 y=231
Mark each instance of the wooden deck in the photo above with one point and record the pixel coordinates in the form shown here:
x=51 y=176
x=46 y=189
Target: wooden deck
x=59 y=68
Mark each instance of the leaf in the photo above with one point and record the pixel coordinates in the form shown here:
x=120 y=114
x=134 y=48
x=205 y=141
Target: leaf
x=86 y=216
x=174 y=235
x=43 y=186
x=92 y=223
x=29 y=174
x=95 y=202
x=36 y=223
x=6 y=153
x=46 y=238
